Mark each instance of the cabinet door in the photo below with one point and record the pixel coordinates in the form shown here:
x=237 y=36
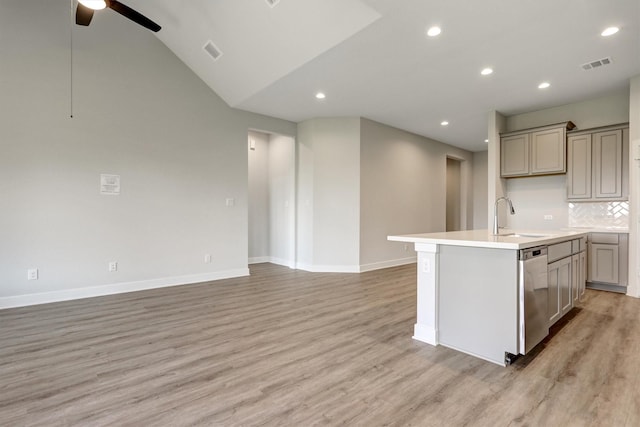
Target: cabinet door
x=514 y=155
x=603 y=263
x=579 y=167
x=575 y=278
x=564 y=285
x=548 y=149
x=607 y=164
x=583 y=274
x=559 y=288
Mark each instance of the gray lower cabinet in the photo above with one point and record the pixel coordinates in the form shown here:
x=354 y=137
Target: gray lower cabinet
x=597 y=164
x=608 y=261
x=604 y=263
x=578 y=275
x=559 y=289
x=567 y=274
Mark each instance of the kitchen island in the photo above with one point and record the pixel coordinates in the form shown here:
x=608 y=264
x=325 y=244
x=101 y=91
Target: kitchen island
x=470 y=294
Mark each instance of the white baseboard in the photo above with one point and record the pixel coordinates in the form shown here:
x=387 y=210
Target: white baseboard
x=283 y=262
x=425 y=334
x=272 y=260
x=116 y=288
x=355 y=268
x=328 y=268
x=387 y=264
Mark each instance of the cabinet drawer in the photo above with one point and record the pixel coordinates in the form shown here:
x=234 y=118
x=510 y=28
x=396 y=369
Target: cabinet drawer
x=578 y=245
x=559 y=250
x=606 y=238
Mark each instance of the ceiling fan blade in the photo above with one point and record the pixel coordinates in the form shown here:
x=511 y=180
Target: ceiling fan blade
x=137 y=17
x=83 y=15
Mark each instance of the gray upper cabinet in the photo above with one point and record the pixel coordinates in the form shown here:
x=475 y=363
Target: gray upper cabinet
x=514 y=155
x=538 y=151
x=607 y=161
x=548 y=151
x=597 y=167
x=579 y=167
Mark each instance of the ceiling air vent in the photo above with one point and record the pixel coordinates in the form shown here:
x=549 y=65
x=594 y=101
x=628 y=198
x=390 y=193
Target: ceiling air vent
x=212 y=50
x=272 y=3
x=597 y=63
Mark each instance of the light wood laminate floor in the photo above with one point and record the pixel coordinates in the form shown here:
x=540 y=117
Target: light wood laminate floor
x=291 y=348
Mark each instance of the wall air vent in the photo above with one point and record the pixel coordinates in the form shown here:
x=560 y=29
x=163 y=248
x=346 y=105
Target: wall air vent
x=212 y=50
x=272 y=3
x=596 y=64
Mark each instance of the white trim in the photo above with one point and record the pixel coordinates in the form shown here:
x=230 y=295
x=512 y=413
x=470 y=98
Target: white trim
x=387 y=264
x=272 y=260
x=425 y=333
x=116 y=288
x=281 y=261
x=328 y=268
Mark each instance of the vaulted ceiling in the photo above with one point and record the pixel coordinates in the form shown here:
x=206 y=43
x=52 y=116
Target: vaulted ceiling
x=372 y=58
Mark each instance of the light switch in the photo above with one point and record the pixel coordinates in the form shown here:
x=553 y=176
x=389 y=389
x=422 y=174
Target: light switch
x=231 y=202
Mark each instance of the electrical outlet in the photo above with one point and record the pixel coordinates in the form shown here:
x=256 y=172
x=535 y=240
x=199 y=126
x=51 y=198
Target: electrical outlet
x=113 y=266
x=32 y=274
x=207 y=258
x=548 y=217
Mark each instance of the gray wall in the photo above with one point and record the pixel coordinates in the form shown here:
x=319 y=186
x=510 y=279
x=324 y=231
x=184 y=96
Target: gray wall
x=272 y=199
x=282 y=200
x=403 y=190
x=328 y=194
x=453 y=193
x=258 y=204
x=602 y=111
x=180 y=151
x=480 y=196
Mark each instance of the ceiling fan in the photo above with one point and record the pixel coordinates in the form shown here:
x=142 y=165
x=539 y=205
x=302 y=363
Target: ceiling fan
x=84 y=13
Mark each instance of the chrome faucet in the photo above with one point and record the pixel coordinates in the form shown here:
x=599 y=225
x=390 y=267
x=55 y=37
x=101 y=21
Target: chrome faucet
x=495 y=213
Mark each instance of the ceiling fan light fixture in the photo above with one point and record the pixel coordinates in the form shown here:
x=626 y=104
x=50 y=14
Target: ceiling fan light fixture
x=93 y=4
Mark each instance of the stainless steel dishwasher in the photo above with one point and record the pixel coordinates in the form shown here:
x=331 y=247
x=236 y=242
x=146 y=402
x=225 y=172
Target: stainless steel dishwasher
x=533 y=293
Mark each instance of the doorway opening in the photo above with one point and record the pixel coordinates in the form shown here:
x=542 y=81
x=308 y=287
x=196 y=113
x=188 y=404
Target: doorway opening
x=454 y=195
x=271 y=196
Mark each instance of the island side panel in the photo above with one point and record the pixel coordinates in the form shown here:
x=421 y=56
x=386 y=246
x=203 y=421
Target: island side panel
x=478 y=301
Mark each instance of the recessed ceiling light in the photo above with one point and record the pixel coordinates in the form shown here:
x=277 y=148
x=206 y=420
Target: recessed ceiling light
x=544 y=85
x=433 y=31
x=444 y=123
x=486 y=71
x=609 y=31
x=320 y=95
x=486 y=141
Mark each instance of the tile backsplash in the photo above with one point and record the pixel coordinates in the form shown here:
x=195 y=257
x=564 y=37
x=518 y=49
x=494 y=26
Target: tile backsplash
x=599 y=214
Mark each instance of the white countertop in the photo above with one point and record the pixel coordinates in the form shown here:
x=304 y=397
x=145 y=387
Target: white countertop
x=508 y=239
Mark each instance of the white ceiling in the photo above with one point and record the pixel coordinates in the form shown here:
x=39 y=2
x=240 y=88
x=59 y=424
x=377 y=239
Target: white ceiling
x=373 y=59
